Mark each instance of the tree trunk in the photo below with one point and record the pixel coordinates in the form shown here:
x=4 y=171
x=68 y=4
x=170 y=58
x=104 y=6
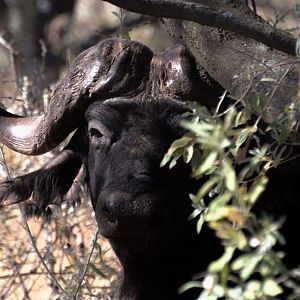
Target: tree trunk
x=242 y=65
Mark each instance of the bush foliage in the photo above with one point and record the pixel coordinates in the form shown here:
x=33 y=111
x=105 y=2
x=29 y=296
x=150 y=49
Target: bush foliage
x=231 y=160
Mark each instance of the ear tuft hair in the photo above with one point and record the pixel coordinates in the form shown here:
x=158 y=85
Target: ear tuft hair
x=59 y=181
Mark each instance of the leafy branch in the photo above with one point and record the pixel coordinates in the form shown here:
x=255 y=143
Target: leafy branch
x=227 y=157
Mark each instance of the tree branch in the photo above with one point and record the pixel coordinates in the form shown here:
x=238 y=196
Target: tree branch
x=252 y=27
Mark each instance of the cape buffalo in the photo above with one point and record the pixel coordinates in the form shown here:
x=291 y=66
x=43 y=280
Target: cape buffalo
x=125 y=103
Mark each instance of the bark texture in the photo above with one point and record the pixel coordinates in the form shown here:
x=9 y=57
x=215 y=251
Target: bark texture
x=244 y=66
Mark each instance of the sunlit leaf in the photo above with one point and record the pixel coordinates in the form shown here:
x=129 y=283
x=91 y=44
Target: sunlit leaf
x=241 y=118
x=272 y=288
x=257 y=188
x=235 y=215
x=188 y=153
x=207 y=163
x=241 y=262
x=219 y=264
x=189 y=285
x=174 y=161
x=220 y=201
x=229 y=118
x=216 y=214
x=206 y=187
x=180 y=143
x=242 y=137
x=201 y=128
x=207 y=295
x=200 y=223
x=165 y=160
x=230 y=177
x=194 y=214
x=249 y=269
x=268 y=79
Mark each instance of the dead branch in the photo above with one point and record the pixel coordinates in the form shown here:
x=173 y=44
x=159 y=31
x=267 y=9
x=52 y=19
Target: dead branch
x=252 y=27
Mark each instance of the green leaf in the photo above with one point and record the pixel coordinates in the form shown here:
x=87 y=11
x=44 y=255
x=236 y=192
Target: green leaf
x=180 y=143
x=200 y=223
x=254 y=285
x=235 y=293
x=188 y=153
x=97 y=270
x=272 y=288
x=257 y=188
x=189 y=285
x=229 y=118
x=230 y=177
x=194 y=214
x=196 y=160
x=207 y=295
x=206 y=188
x=240 y=119
x=251 y=265
x=207 y=163
x=268 y=79
x=174 y=161
x=218 y=265
x=218 y=290
x=241 y=262
x=241 y=138
x=165 y=160
x=216 y=209
x=201 y=128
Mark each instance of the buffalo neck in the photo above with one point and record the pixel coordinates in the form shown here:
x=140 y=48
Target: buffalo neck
x=156 y=271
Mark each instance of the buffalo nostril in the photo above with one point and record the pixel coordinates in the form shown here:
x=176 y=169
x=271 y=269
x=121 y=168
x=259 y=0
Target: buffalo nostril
x=109 y=208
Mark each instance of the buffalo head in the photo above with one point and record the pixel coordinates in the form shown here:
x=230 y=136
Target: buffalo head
x=125 y=103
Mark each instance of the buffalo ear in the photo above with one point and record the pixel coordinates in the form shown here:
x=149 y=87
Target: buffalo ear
x=59 y=181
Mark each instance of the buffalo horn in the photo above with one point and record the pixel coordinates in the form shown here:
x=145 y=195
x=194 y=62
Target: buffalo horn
x=113 y=68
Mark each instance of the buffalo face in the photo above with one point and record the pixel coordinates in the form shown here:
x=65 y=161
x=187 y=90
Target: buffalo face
x=131 y=194
x=125 y=103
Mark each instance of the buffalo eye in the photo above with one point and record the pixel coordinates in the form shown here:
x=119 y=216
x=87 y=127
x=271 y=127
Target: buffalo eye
x=95 y=134
x=99 y=134
x=96 y=137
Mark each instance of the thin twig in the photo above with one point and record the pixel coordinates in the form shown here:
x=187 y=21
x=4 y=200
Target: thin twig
x=86 y=265
x=220 y=103
x=278 y=81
